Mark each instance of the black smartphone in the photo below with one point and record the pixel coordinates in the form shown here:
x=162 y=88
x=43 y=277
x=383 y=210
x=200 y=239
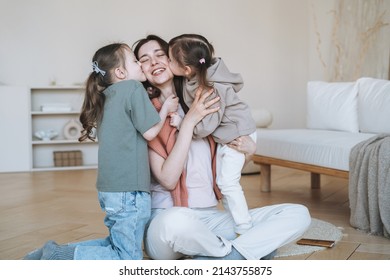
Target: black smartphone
x=316 y=242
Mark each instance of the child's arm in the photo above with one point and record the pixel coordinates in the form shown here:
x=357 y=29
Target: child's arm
x=170 y=105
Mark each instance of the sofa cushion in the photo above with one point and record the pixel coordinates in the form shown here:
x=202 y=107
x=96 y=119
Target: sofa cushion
x=325 y=148
x=332 y=106
x=374 y=105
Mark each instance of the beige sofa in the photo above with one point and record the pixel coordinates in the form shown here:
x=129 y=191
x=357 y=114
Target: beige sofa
x=339 y=115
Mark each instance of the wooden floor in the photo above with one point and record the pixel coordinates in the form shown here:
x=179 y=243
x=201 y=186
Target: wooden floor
x=62 y=206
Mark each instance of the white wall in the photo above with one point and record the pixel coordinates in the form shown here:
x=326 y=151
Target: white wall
x=272 y=43
x=15 y=139
x=265 y=40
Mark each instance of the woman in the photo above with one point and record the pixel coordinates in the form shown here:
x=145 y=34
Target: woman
x=185 y=219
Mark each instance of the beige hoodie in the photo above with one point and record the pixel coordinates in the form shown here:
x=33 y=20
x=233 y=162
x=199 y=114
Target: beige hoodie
x=234 y=118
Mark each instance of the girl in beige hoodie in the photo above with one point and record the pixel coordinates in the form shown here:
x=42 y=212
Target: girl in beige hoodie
x=192 y=57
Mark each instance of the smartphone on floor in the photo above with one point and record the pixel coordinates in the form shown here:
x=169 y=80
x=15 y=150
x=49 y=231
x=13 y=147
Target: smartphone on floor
x=316 y=242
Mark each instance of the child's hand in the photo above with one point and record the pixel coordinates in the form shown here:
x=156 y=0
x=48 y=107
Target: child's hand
x=171 y=104
x=175 y=120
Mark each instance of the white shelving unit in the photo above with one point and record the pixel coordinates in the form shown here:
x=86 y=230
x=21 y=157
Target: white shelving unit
x=52 y=107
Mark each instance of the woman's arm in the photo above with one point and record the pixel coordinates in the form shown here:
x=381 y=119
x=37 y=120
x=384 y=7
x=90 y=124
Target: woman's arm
x=167 y=171
x=245 y=145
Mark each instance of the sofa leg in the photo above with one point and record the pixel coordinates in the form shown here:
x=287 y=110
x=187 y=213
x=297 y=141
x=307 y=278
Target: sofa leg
x=265 y=177
x=315 y=180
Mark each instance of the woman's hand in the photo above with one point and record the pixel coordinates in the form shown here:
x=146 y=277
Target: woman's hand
x=243 y=144
x=200 y=107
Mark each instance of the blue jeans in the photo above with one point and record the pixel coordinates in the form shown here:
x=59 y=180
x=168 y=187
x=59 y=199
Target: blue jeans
x=126 y=216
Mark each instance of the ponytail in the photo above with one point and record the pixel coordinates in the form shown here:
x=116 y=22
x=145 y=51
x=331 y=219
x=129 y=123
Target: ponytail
x=103 y=62
x=201 y=71
x=92 y=109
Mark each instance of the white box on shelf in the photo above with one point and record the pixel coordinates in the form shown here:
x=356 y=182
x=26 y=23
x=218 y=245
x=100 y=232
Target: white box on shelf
x=56 y=107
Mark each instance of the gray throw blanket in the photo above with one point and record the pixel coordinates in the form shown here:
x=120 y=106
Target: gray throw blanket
x=369 y=185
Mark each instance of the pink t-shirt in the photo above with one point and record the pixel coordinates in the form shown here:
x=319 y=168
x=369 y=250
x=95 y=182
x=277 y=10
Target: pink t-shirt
x=199 y=179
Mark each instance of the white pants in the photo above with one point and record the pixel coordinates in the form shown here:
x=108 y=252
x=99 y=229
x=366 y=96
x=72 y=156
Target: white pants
x=178 y=231
x=229 y=165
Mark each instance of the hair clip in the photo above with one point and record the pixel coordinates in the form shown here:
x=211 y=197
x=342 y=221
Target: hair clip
x=202 y=61
x=96 y=68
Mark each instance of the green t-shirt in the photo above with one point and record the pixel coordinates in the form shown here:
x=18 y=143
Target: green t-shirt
x=123 y=162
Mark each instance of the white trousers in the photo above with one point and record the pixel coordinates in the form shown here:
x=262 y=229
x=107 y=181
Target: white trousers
x=179 y=231
x=229 y=165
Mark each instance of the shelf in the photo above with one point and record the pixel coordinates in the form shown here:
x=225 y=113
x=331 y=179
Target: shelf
x=82 y=167
x=62 y=141
x=56 y=88
x=69 y=98
x=40 y=113
x=55 y=108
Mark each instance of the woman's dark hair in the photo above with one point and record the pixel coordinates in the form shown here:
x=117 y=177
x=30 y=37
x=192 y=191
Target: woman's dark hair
x=104 y=61
x=178 y=81
x=195 y=51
